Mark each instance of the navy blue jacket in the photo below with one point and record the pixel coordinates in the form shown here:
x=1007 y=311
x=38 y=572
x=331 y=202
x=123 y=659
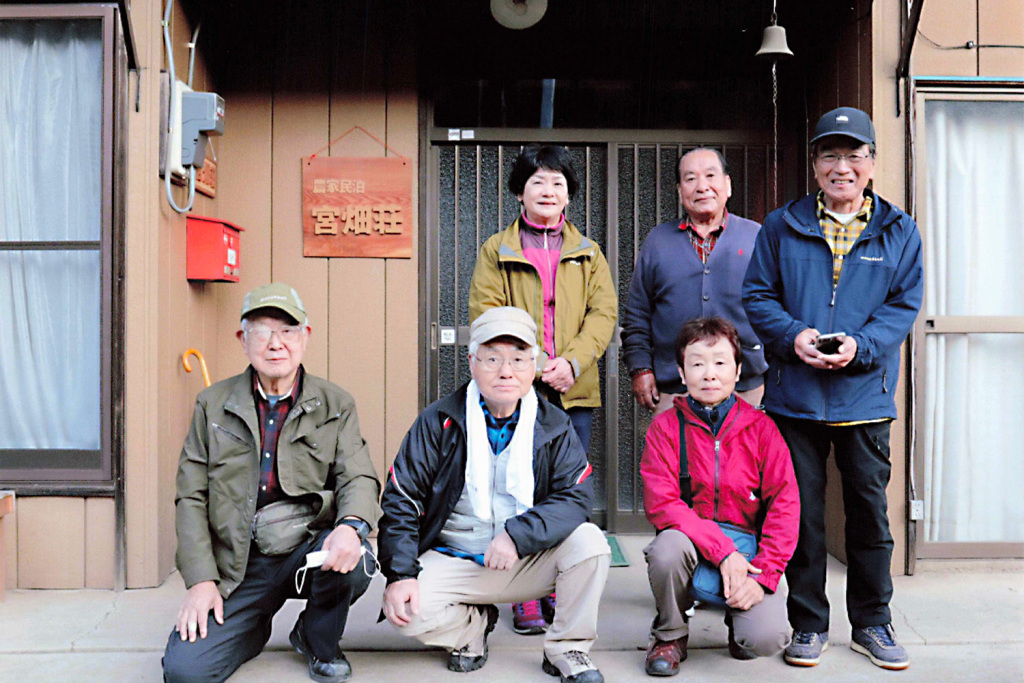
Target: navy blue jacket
x=788 y=288
x=429 y=473
x=670 y=285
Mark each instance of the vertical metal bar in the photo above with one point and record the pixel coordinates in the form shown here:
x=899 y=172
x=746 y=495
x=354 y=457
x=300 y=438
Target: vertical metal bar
x=636 y=251
x=455 y=247
x=431 y=266
x=587 y=207
x=611 y=408
x=476 y=228
x=657 y=184
x=501 y=195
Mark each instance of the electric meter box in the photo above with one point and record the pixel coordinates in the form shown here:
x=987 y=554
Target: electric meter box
x=211 y=249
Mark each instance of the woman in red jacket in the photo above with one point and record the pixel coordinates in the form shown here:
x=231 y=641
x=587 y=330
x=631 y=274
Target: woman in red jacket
x=740 y=474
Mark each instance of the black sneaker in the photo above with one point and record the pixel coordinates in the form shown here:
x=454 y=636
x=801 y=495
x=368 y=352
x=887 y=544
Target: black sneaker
x=573 y=667
x=334 y=671
x=471 y=657
x=806 y=648
x=737 y=651
x=879 y=644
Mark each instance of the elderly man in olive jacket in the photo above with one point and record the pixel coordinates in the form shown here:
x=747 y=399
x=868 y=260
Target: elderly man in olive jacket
x=271 y=443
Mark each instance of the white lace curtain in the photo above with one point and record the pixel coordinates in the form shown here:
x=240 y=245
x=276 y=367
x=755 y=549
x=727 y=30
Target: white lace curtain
x=51 y=75
x=974 y=432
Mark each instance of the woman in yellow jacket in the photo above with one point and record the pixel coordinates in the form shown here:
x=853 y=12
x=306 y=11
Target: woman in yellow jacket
x=544 y=265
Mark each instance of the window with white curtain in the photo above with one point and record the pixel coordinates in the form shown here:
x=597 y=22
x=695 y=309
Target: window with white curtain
x=973 y=363
x=52 y=249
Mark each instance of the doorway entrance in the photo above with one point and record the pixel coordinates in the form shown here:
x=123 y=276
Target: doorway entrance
x=627 y=186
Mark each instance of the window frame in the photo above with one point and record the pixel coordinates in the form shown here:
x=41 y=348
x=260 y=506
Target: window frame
x=962 y=90
x=100 y=480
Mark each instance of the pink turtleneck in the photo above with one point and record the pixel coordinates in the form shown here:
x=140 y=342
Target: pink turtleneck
x=542 y=246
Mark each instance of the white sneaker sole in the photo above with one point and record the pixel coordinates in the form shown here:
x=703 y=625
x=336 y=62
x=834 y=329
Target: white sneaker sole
x=891 y=666
x=798 y=661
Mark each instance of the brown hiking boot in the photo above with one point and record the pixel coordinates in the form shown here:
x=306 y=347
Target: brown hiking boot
x=664 y=657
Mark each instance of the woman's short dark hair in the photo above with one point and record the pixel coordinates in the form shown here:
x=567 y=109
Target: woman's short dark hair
x=535 y=157
x=711 y=329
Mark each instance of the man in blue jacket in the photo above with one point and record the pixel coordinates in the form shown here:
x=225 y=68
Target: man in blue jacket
x=690 y=269
x=843 y=262
x=487 y=502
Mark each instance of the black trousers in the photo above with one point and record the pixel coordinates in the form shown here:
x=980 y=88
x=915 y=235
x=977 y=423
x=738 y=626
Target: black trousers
x=249 y=610
x=862 y=457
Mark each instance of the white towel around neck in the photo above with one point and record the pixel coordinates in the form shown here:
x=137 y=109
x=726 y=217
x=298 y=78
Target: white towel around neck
x=519 y=475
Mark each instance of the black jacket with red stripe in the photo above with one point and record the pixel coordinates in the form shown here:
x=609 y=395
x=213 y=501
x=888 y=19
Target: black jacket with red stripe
x=429 y=473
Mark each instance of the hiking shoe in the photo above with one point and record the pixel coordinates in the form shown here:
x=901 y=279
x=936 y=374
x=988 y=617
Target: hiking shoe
x=879 y=644
x=474 y=655
x=572 y=667
x=527 y=619
x=547 y=607
x=665 y=656
x=334 y=671
x=806 y=648
x=737 y=651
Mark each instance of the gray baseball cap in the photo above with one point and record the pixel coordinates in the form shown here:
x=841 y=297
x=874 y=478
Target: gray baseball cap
x=505 y=321
x=275 y=295
x=848 y=122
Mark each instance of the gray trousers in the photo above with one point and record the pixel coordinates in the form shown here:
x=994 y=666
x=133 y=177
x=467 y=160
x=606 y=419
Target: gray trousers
x=576 y=569
x=671 y=560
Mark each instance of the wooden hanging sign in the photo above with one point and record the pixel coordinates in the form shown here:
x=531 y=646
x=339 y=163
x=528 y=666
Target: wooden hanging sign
x=357 y=207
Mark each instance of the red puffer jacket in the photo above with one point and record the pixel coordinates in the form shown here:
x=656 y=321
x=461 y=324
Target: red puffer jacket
x=742 y=477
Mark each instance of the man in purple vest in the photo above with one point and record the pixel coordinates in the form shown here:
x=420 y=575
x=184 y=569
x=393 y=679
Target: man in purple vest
x=690 y=269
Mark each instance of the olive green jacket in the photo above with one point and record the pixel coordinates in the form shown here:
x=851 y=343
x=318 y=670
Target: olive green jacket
x=320 y=449
x=586 y=306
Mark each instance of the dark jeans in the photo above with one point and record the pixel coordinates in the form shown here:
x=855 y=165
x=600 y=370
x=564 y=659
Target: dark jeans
x=862 y=456
x=248 y=613
x=582 y=418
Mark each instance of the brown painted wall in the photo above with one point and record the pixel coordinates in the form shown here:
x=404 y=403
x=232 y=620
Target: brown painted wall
x=307 y=89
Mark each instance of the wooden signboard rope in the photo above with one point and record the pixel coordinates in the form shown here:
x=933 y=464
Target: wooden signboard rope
x=372 y=136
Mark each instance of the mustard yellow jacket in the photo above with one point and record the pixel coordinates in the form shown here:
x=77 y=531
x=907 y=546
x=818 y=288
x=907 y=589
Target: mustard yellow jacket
x=586 y=306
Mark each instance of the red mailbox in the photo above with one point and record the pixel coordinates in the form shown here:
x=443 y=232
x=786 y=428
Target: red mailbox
x=211 y=249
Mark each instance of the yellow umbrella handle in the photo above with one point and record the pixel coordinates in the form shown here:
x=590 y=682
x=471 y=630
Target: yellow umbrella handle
x=202 y=364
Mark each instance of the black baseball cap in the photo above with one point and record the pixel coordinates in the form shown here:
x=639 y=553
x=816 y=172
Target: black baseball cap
x=848 y=122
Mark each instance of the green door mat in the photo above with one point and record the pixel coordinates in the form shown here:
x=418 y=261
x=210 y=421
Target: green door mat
x=618 y=558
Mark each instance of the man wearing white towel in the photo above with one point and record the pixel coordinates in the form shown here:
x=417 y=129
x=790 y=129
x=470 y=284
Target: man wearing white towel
x=488 y=502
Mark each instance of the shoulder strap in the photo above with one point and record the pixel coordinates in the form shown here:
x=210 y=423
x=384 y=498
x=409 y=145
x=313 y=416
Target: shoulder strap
x=685 y=491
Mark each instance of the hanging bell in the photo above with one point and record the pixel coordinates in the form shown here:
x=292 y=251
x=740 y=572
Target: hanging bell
x=774 y=43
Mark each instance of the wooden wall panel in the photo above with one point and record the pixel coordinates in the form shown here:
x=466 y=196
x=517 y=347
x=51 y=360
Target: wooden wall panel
x=950 y=22
x=99 y=543
x=1001 y=23
x=51 y=542
x=244 y=198
x=402 y=275
x=9 y=556
x=142 y=251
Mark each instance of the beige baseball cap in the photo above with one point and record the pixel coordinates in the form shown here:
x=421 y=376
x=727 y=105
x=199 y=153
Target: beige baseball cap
x=275 y=295
x=501 y=322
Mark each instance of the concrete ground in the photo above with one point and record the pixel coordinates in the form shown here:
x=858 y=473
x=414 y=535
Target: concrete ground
x=960 y=621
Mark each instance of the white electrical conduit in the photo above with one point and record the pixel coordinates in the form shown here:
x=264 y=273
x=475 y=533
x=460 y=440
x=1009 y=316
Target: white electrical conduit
x=175 y=104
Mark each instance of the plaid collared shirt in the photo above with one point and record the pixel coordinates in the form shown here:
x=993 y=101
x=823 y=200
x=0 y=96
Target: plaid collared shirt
x=842 y=237
x=499 y=431
x=271 y=419
x=703 y=245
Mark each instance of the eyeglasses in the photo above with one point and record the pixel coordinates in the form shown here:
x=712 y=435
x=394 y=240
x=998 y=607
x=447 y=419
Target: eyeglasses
x=854 y=160
x=494 y=362
x=260 y=336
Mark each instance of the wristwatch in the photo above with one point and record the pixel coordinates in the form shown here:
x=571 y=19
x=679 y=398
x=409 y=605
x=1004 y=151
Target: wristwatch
x=362 y=529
